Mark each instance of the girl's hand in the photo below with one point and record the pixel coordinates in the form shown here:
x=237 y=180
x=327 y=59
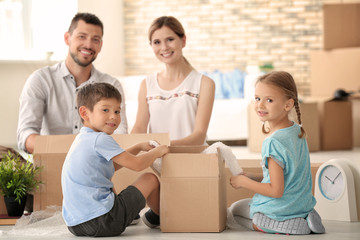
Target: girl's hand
x=237 y=181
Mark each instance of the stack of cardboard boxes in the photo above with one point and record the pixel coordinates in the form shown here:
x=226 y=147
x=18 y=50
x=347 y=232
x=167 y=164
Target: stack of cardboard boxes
x=338 y=67
x=330 y=124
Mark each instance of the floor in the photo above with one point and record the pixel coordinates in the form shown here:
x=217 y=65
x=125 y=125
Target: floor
x=334 y=229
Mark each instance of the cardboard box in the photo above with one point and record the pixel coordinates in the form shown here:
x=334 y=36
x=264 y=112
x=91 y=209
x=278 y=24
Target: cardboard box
x=50 y=152
x=255 y=135
x=331 y=70
x=254 y=166
x=341 y=25
x=192 y=191
x=232 y=194
x=2 y=206
x=336 y=129
x=356 y=120
x=310 y=121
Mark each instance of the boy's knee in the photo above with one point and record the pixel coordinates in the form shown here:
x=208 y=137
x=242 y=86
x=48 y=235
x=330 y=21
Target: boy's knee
x=150 y=180
x=150 y=177
x=147 y=183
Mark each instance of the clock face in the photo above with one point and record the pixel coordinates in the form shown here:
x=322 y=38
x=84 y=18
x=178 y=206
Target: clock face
x=331 y=182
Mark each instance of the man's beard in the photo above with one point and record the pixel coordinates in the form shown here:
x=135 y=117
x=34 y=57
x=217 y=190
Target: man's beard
x=77 y=61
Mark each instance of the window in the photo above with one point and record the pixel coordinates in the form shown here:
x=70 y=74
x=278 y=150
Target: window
x=31 y=28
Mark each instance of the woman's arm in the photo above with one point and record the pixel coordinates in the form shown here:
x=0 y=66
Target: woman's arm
x=203 y=114
x=273 y=189
x=143 y=115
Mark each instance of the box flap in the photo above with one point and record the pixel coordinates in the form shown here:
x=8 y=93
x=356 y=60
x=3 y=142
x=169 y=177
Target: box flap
x=131 y=139
x=187 y=149
x=51 y=144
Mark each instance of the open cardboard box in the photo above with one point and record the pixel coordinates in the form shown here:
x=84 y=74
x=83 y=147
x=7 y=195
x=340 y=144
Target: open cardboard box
x=192 y=191
x=50 y=152
x=196 y=191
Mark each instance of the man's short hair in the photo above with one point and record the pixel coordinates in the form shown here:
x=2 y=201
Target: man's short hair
x=92 y=93
x=89 y=18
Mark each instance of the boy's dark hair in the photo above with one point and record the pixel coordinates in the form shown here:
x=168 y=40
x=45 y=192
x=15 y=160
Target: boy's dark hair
x=89 y=18
x=92 y=93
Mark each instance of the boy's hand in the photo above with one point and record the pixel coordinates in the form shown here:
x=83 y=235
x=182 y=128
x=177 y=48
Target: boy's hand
x=145 y=146
x=163 y=149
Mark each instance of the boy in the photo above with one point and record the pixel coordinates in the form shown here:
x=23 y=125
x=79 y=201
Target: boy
x=90 y=208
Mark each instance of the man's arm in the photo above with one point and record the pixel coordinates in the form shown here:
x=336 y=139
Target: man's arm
x=30 y=143
x=31 y=110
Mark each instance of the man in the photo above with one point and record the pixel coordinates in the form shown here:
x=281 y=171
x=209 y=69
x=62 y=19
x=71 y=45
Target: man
x=47 y=102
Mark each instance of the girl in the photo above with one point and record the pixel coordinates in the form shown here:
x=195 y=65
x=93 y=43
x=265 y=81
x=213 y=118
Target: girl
x=178 y=99
x=283 y=202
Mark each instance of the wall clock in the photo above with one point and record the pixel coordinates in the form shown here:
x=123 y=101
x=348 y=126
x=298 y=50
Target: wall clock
x=335 y=191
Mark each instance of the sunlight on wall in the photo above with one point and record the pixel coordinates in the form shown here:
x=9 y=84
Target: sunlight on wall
x=29 y=29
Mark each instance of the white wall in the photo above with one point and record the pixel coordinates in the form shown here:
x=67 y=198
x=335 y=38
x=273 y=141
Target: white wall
x=13 y=74
x=110 y=12
x=12 y=78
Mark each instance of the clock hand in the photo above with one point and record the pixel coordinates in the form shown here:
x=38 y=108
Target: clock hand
x=336 y=177
x=329 y=179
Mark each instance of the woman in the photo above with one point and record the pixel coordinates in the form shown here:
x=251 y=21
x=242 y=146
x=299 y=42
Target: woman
x=178 y=99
